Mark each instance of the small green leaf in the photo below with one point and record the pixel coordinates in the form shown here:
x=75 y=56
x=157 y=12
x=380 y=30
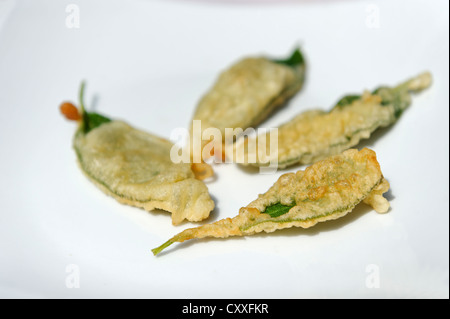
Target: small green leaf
x=277 y=209
x=296 y=59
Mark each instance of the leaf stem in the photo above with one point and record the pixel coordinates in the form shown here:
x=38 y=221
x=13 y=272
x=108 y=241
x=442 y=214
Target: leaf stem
x=157 y=250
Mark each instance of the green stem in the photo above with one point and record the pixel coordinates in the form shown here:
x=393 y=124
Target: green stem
x=84 y=114
x=81 y=97
x=157 y=250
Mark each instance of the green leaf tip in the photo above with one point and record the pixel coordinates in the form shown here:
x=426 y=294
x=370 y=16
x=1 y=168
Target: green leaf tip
x=295 y=59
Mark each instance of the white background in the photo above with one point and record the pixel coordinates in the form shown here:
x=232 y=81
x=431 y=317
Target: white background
x=149 y=62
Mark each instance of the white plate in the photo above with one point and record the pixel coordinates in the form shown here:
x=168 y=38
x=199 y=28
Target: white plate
x=148 y=62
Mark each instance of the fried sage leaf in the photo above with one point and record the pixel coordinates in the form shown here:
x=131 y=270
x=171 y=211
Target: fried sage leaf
x=247 y=92
x=316 y=134
x=329 y=189
x=135 y=168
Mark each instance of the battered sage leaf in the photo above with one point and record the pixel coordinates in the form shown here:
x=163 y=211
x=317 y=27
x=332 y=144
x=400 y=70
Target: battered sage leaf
x=248 y=92
x=135 y=167
x=317 y=134
x=327 y=190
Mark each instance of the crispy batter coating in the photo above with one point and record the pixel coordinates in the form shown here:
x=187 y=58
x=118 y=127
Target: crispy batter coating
x=327 y=190
x=314 y=135
x=135 y=168
x=202 y=171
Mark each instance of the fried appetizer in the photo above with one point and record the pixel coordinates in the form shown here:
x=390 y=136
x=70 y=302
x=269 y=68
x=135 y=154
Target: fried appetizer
x=248 y=91
x=327 y=190
x=314 y=135
x=135 y=167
